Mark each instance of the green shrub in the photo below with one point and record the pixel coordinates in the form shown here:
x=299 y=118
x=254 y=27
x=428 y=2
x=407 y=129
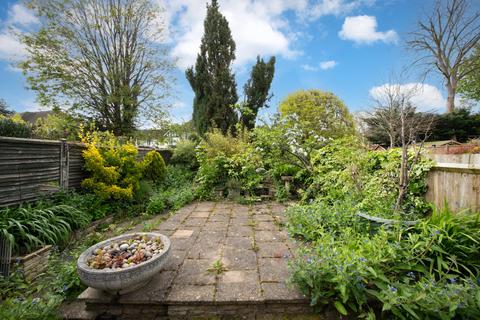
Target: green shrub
x=114 y=170
x=427 y=271
x=157 y=204
x=12 y=128
x=89 y=203
x=184 y=154
x=175 y=191
x=223 y=158
x=154 y=168
x=144 y=192
x=344 y=169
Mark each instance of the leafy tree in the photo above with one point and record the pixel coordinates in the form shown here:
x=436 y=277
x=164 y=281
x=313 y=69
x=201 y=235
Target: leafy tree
x=212 y=79
x=317 y=115
x=470 y=85
x=99 y=58
x=256 y=91
x=14 y=126
x=56 y=126
x=5 y=109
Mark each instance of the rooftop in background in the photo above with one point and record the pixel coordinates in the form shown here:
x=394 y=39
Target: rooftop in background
x=33 y=116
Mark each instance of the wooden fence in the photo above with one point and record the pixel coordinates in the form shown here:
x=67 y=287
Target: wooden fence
x=31 y=168
x=455 y=179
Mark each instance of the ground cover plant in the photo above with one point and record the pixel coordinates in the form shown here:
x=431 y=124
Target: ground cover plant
x=175 y=191
x=42 y=298
x=426 y=271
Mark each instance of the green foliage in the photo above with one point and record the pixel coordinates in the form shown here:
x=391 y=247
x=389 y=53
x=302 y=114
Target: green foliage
x=13 y=126
x=175 y=192
x=64 y=68
x=226 y=158
x=5 y=109
x=422 y=272
x=469 y=86
x=85 y=202
x=154 y=168
x=144 y=192
x=184 y=154
x=461 y=125
x=369 y=179
x=30 y=308
x=29 y=227
x=42 y=298
x=256 y=91
x=211 y=79
x=318 y=116
x=114 y=170
x=57 y=126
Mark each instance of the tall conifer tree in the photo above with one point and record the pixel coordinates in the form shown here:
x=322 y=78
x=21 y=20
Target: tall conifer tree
x=212 y=79
x=256 y=91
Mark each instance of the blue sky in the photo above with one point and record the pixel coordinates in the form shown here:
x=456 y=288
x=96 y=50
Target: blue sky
x=348 y=47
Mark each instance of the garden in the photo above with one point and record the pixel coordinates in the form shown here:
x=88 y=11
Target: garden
x=428 y=269
x=365 y=241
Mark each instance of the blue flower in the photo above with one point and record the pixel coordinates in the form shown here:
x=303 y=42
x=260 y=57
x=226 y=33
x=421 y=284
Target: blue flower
x=392 y=289
x=363 y=259
x=437 y=232
x=360 y=285
x=452 y=280
x=411 y=275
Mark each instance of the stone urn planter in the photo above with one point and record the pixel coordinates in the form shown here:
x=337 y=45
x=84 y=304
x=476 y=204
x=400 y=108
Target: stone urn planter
x=123 y=279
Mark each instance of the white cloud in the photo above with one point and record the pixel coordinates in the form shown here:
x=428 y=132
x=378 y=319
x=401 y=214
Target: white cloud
x=324 y=65
x=424 y=96
x=19 y=18
x=259 y=27
x=330 y=64
x=335 y=7
x=11 y=48
x=20 y=15
x=363 y=30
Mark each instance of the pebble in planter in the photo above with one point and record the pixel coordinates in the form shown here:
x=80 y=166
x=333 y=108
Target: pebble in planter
x=127 y=253
x=123 y=264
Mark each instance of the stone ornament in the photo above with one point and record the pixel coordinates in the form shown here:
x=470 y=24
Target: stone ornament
x=127 y=279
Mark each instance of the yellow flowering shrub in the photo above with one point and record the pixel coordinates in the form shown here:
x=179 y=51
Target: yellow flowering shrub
x=153 y=166
x=114 y=171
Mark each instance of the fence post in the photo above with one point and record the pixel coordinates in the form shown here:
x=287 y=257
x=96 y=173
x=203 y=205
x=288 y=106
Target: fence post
x=64 y=164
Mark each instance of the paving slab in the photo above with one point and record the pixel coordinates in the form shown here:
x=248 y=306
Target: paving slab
x=273 y=269
x=238 y=286
x=248 y=242
x=195 y=272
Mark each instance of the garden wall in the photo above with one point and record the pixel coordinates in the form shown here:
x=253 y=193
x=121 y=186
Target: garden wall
x=31 y=168
x=455 y=179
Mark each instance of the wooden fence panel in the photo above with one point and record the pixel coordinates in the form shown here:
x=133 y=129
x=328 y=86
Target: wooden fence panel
x=455 y=179
x=30 y=168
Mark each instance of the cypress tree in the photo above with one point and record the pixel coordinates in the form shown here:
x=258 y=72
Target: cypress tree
x=256 y=91
x=212 y=79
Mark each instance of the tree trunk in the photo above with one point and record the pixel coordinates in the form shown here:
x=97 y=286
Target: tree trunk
x=451 y=97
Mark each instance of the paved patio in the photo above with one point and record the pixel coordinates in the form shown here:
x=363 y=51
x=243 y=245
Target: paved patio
x=251 y=244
